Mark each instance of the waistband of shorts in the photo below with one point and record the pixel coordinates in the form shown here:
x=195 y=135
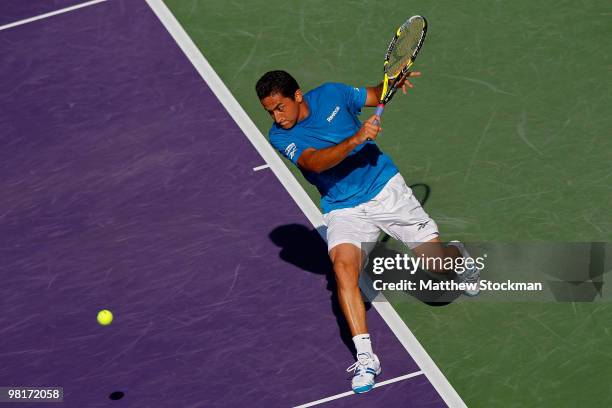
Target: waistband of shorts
x=392 y=180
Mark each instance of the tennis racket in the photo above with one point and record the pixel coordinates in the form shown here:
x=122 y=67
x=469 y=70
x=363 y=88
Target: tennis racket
x=400 y=56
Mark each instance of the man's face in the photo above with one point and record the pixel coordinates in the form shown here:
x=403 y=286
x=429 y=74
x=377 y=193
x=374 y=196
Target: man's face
x=283 y=110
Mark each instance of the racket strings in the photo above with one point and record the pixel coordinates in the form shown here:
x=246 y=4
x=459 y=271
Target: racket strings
x=405 y=47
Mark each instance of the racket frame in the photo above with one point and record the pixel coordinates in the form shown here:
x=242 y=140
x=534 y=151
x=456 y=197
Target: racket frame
x=389 y=90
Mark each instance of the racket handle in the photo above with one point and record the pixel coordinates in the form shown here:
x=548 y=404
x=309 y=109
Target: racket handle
x=379 y=110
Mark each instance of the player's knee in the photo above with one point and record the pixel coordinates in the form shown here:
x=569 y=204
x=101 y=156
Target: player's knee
x=437 y=264
x=347 y=273
x=438 y=269
x=345 y=266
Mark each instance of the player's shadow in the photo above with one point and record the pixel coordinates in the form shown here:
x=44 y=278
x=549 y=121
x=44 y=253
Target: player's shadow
x=304 y=248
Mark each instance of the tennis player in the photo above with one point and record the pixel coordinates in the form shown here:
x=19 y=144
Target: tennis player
x=362 y=191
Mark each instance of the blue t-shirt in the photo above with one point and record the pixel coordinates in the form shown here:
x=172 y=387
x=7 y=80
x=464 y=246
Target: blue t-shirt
x=332 y=118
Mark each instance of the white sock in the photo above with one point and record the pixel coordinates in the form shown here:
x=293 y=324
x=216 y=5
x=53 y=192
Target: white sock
x=363 y=344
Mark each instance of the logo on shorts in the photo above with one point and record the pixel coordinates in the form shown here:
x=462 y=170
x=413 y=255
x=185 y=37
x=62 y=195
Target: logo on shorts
x=422 y=225
x=290 y=150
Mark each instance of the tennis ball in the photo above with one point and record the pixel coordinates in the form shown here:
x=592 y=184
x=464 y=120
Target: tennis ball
x=105 y=317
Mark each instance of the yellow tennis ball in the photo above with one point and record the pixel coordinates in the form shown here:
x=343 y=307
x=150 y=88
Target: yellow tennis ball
x=105 y=317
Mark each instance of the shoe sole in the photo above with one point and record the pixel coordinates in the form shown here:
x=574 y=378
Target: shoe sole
x=366 y=388
x=362 y=390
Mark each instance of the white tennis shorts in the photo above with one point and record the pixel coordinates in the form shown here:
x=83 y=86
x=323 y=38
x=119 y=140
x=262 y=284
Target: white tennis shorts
x=394 y=210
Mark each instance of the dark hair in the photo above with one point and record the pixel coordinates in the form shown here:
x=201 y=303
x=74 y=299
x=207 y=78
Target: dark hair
x=279 y=82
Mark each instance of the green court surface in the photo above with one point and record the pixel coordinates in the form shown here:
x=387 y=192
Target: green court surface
x=509 y=125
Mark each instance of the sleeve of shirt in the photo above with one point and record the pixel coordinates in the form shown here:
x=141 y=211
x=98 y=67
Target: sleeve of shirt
x=354 y=97
x=291 y=149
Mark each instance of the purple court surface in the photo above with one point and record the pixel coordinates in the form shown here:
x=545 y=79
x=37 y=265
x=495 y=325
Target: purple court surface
x=126 y=185
x=16 y=10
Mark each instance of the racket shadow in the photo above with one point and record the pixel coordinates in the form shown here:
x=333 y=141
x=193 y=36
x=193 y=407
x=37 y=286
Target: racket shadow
x=304 y=248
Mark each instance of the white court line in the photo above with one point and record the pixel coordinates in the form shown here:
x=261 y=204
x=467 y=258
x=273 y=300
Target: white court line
x=237 y=113
x=264 y=166
x=349 y=393
x=50 y=14
x=297 y=192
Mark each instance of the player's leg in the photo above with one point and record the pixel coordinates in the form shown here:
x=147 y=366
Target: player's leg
x=347 y=260
x=435 y=253
x=435 y=250
x=405 y=219
x=346 y=231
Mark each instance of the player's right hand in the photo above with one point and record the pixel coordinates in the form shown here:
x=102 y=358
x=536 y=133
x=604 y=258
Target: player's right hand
x=369 y=130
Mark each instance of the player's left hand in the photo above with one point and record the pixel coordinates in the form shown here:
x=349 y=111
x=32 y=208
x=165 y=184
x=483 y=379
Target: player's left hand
x=405 y=83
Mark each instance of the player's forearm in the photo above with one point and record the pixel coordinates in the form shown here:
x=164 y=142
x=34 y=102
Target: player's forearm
x=373 y=94
x=324 y=159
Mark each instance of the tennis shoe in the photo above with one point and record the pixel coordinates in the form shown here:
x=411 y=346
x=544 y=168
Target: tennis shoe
x=365 y=369
x=470 y=276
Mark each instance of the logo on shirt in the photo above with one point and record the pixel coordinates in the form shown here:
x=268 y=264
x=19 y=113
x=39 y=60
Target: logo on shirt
x=290 y=150
x=333 y=114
